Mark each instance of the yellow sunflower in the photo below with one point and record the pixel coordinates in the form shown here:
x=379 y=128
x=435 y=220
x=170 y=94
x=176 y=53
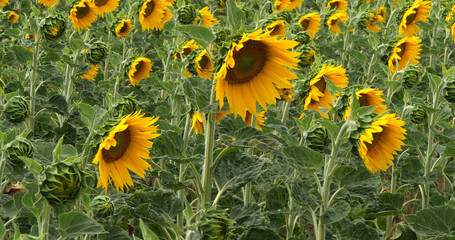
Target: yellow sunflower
x=277 y=28
x=125 y=148
x=452 y=28
x=154 y=14
x=171 y=2
x=281 y=4
x=187 y=49
x=83 y=15
x=286 y=94
x=333 y=20
x=369 y=97
x=207 y=18
x=198 y=123
x=203 y=65
x=381 y=141
x=259 y=119
x=419 y=11
x=341 y=5
x=139 y=70
x=406 y=49
x=253 y=69
x=91 y=73
x=123 y=28
x=383 y=13
x=371 y=23
x=105 y=6
x=3 y=3
x=12 y=17
x=293 y=4
x=319 y=95
x=450 y=15
x=311 y=23
x=48 y=3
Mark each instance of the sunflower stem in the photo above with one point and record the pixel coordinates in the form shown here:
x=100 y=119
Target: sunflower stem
x=432 y=40
x=181 y=192
x=33 y=80
x=393 y=186
x=106 y=62
x=44 y=223
x=291 y=218
x=285 y=112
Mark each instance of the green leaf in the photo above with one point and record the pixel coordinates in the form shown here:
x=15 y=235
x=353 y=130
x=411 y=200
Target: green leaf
x=57 y=103
x=303 y=193
x=146 y=232
x=387 y=204
x=336 y=212
x=235 y=15
x=57 y=151
x=360 y=231
x=358 y=56
x=259 y=233
x=114 y=233
x=403 y=232
x=200 y=34
x=22 y=54
x=73 y=223
x=2 y=230
x=249 y=215
x=276 y=198
x=170 y=143
x=433 y=221
x=415 y=139
x=435 y=80
x=303 y=158
x=34 y=167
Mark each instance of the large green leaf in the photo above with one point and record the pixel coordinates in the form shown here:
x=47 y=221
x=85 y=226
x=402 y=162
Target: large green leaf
x=235 y=15
x=146 y=232
x=336 y=212
x=259 y=233
x=73 y=223
x=433 y=221
x=360 y=231
x=201 y=34
x=303 y=158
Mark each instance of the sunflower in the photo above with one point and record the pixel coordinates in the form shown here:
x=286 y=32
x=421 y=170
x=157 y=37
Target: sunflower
x=281 y=4
x=171 y=2
x=139 y=70
x=319 y=95
x=259 y=119
x=32 y=38
x=419 y=11
x=285 y=94
x=341 y=5
x=370 y=23
x=309 y=57
x=125 y=148
x=253 y=69
x=91 y=73
x=293 y=4
x=383 y=13
x=451 y=13
x=311 y=23
x=188 y=48
x=203 y=65
x=333 y=20
x=48 y=3
x=369 y=97
x=198 y=123
x=381 y=141
x=277 y=28
x=123 y=28
x=406 y=49
x=105 y=6
x=12 y=17
x=154 y=14
x=3 y=3
x=83 y=15
x=207 y=18
x=452 y=28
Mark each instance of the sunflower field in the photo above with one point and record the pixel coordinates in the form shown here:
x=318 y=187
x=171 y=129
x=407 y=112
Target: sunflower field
x=227 y=119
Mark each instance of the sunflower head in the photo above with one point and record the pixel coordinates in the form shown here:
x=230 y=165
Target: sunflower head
x=198 y=123
x=405 y=50
x=3 y=3
x=207 y=18
x=153 y=14
x=83 y=15
x=215 y=224
x=125 y=148
x=203 y=65
x=187 y=14
x=449 y=90
x=20 y=147
x=123 y=28
x=277 y=28
x=412 y=76
x=307 y=56
x=53 y=27
x=367 y=21
x=339 y=5
x=12 y=17
x=285 y=15
x=140 y=69
x=16 y=110
x=334 y=19
x=286 y=94
x=310 y=23
x=48 y=3
x=252 y=71
x=317 y=138
x=91 y=73
x=259 y=120
x=61 y=183
x=418 y=114
x=97 y=52
x=105 y=6
x=418 y=11
x=102 y=207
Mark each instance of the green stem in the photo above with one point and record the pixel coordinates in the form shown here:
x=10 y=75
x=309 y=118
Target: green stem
x=389 y=220
x=370 y=68
x=118 y=78
x=44 y=224
x=86 y=148
x=432 y=41
x=285 y=112
x=247 y=194
x=292 y=218
x=106 y=62
x=181 y=193
x=33 y=80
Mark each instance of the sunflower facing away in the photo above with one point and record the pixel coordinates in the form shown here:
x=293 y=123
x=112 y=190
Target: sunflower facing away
x=198 y=123
x=123 y=28
x=48 y=3
x=333 y=20
x=406 y=49
x=311 y=23
x=281 y=4
x=341 y=5
x=253 y=69
x=259 y=120
x=369 y=97
x=139 y=70
x=286 y=94
x=372 y=20
x=125 y=148
x=105 y=6
x=83 y=15
x=319 y=95
x=381 y=141
x=383 y=13
x=12 y=17
x=203 y=65
x=3 y=3
x=277 y=28
x=91 y=73
x=207 y=18
x=419 y=11
x=187 y=49
x=154 y=14
x=293 y=4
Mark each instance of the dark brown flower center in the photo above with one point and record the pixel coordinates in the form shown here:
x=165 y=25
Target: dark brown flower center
x=410 y=18
x=115 y=153
x=249 y=62
x=334 y=5
x=363 y=100
x=124 y=28
x=376 y=139
x=276 y=30
x=81 y=12
x=205 y=63
x=138 y=68
x=402 y=47
x=149 y=8
x=100 y=3
x=305 y=24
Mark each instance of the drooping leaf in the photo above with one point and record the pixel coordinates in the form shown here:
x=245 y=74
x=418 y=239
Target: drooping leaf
x=303 y=158
x=433 y=221
x=73 y=223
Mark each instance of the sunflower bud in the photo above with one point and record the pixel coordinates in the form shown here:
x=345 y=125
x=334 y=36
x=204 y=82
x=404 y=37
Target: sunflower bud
x=450 y=91
x=418 y=114
x=16 y=109
x=318 y=139
x=364 y=20
x=221 y=35
x=412 y=76
x=97 y=52
x=61 y=183
x=302 y=37
x=20 y=147
x=307 y=56
x=214 y=225
x=53 y=27
x=102 y=207
x=187 y=14
x=285 y=15
x=127 y=105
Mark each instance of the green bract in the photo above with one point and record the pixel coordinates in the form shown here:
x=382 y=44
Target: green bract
x=214 y=225
x=20 y=147
x=53 y=27
x=187 y=14
x=16 y=109
x=102 y=207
